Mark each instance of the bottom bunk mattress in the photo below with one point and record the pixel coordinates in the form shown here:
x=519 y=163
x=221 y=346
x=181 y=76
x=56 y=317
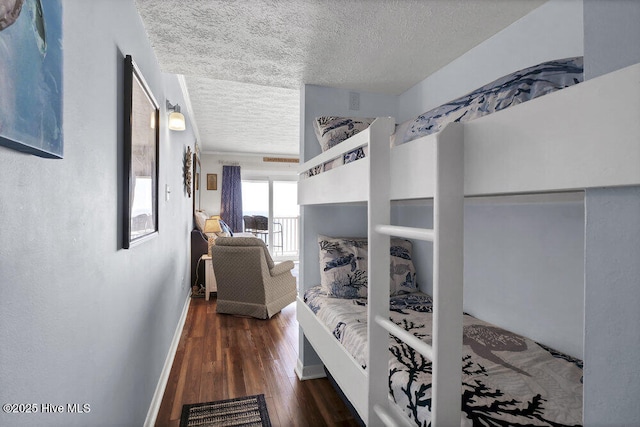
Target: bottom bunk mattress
x=508 y=380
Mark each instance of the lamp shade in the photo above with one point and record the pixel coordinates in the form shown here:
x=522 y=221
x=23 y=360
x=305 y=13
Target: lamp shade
x=177 y=121
x=212 y=226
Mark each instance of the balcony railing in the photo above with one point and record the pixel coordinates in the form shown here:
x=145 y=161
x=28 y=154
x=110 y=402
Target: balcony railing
x=284 y=243
x=285 y=237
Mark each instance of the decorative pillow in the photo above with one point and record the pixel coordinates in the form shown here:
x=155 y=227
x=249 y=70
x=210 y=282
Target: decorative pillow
x=201 y=217
x=403 y=272
x=331 y=131
x=344 y=267
x=225 y=228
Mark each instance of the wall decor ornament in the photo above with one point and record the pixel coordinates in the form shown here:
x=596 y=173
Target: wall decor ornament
x=187 y=171
x=141 y=152
x=31 y=76
x=196 y=182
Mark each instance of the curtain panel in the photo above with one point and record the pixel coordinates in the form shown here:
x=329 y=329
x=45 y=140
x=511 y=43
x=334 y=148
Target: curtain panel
x=231 y=204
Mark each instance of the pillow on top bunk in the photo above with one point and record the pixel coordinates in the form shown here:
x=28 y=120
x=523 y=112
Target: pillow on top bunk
x=344 y=265
x=331 y=131
x=512 y=89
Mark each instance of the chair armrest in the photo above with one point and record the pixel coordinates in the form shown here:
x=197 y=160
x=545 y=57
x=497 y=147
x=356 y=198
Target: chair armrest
x=282 y=267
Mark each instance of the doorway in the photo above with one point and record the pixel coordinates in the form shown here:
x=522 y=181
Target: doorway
x=278 y=201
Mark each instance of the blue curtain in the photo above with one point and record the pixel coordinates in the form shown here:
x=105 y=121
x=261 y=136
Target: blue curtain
x=231 y=205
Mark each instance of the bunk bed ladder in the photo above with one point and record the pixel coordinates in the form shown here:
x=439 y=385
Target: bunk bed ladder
x=447 y=237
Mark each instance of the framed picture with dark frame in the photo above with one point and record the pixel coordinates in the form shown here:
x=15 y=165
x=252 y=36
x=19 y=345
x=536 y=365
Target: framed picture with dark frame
x=141 y=148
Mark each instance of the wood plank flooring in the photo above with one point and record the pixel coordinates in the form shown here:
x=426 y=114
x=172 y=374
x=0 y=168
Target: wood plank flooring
x=222 y=357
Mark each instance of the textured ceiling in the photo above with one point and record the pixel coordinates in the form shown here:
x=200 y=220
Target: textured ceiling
x=245 y=60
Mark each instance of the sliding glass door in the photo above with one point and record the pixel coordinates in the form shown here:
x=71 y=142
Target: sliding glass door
x=276 y=200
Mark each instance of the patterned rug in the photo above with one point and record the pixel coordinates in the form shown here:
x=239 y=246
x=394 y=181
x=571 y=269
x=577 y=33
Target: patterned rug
x=242 y=411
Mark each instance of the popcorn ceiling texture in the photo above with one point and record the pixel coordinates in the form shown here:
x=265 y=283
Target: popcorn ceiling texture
x=384 y=46
x=249 y=118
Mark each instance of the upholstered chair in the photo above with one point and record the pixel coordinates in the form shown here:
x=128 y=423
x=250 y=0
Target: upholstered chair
x=249 y=282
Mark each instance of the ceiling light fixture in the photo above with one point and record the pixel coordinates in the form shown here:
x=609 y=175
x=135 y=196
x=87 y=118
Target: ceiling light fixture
x=176 y=118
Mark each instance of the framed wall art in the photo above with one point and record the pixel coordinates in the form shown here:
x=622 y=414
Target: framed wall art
x=31 y=77
x=141 y=147
x=212 y=181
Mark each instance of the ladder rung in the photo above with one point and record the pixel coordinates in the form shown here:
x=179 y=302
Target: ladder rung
x=406 y=232
x=420 y=346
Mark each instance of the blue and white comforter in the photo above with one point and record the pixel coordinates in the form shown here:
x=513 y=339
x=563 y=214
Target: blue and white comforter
x=508 y=380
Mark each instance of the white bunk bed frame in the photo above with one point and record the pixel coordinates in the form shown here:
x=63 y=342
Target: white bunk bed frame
x=581 y=137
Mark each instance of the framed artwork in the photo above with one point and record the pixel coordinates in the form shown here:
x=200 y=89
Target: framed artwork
x=212 y=181
x=141 y=145
x=31 y=83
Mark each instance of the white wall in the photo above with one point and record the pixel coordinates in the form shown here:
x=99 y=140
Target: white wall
x=82 y=320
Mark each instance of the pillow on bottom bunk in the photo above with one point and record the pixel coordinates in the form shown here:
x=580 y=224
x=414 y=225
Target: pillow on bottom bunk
x=344 y=266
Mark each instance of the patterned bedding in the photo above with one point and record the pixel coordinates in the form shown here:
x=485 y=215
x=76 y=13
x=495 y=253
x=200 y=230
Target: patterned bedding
x=508 y=380
x=507 y=91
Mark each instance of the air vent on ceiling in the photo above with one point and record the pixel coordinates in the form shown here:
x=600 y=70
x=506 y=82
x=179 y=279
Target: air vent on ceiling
x=280 y=159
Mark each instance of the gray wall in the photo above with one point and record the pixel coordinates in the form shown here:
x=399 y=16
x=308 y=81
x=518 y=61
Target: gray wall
x=523 y=263
x=612 y=273
x=611 y=35
x=612 y=298
x=81 y=320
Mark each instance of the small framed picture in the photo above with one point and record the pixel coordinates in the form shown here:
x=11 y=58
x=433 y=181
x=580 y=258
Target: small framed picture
x=212 y=181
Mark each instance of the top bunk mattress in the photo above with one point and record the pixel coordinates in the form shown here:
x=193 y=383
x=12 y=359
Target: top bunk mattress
x=580 y=137
x=507 y=91
x=507 y=379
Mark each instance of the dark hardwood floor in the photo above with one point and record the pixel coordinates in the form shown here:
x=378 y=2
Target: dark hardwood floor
x=222 y=356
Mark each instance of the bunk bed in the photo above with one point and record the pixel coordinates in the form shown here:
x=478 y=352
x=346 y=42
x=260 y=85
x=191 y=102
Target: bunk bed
x=581 y=137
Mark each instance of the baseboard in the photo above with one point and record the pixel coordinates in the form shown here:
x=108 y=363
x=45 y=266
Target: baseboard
x=309 y=372
x=152 y=414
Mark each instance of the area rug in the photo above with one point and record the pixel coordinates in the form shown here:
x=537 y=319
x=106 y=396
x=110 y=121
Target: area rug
x=242 y=411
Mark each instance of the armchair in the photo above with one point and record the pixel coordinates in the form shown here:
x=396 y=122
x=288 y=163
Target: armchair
x=249 y=282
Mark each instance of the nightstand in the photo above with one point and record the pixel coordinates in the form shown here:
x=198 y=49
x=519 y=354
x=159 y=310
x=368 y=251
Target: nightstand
x=209 y=277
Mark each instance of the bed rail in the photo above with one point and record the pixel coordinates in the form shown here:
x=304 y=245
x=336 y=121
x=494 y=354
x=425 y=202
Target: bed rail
x=447 y=237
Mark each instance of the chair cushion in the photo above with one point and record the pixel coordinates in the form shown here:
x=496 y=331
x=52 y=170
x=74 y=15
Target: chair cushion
x=246 y=241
